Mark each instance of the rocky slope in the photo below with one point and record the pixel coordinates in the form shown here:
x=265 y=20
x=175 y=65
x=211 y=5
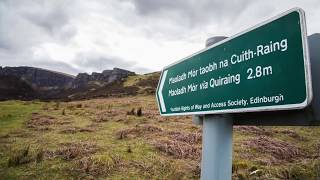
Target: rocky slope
x=39 y=78
x=34 y=83
x=100 y=79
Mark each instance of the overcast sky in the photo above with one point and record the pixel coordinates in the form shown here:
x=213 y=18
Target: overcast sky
x=75 y=36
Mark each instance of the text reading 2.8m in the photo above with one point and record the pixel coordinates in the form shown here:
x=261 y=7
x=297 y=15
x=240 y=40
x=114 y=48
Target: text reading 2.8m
x=259 y=72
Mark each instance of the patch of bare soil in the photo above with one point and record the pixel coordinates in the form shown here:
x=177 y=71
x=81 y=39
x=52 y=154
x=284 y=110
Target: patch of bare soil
x=178 y=149
x=69 y=151
x=280 y=150
x=253 y=129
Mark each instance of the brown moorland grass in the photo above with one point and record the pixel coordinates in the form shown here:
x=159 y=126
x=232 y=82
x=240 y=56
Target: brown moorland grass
x=79 y=144
x=178 y=149
x=278 y=149
x=69 y=151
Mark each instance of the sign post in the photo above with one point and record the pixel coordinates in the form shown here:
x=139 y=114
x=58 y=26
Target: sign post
x=216 y=160
x=265 y=68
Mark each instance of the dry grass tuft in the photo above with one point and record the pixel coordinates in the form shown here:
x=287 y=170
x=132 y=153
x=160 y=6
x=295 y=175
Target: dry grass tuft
x=63 y=112
x=190 y=138
x=24 y=156
x=73 y=130
x=19 y=158
x=252 y=129
x=40 y=122
x=137 y=131
x=87 y=129
x=278 y=149
x=98 y=166
x=178 y=149
x=150 y=128
x=70 y=130
x=56 y=105
x=151 y=167
x=125 y=133
x=101 y=117
x=69 y=151
x=132 y=112
x=291 y=133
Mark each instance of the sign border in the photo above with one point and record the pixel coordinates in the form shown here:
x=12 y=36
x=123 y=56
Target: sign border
x=307 y=70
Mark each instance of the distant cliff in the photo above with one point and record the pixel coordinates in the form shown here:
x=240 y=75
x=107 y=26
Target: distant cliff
x=84 y=80
x=39 y=79
x=36 y=83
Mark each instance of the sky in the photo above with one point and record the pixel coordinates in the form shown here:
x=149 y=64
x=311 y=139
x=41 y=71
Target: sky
x=143 y=36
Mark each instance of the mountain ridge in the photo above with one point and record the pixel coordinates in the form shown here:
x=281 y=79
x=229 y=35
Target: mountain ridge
x=38 y=83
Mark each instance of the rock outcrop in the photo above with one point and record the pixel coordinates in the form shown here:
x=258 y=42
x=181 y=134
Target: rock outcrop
x=39 y=79
x=35 y=83
x=84 y=80
x=12 y=87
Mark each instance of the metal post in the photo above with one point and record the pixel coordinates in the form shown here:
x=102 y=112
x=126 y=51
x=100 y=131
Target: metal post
x=216 y=162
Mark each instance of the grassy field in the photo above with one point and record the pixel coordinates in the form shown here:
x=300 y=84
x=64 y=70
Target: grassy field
x=125 y=138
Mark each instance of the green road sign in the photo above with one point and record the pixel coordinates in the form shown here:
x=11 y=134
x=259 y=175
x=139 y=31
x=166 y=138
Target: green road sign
x=264 y=68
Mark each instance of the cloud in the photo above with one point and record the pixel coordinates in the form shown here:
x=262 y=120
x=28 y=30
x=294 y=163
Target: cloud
x=193 y=12
x=97 y=63
x=138 y=35
x=57 y=66
x=52 y=16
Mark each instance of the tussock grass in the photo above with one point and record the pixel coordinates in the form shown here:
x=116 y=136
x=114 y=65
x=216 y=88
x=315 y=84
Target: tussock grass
x=178 y=149
x=25 y=156
x=280 y=150
x=139 y=130
x=190 y=138
x=98 y=166
x=98 y=140
x=69 y=151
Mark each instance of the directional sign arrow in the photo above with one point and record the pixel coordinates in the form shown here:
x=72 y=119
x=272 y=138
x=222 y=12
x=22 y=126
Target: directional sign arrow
x=161 y=100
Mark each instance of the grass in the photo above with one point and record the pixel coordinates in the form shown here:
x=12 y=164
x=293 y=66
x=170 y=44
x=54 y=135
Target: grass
x=134 y=80
x=13 y=114
x=98 y=139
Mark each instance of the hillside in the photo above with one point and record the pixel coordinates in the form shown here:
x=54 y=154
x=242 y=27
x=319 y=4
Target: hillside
x=132 y=85
x=27 y=83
